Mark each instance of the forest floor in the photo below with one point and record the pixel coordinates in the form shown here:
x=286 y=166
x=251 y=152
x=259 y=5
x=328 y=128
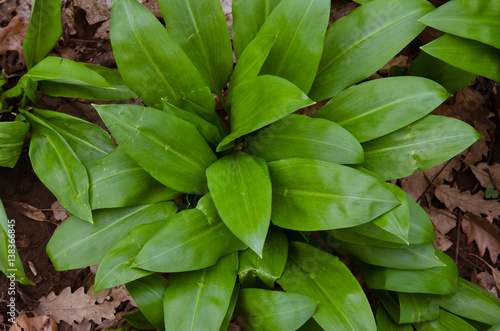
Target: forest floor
x=466 y=221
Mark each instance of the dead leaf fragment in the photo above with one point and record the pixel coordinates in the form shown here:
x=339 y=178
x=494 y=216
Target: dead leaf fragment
x=486 y=281
x=443 y=221
x=485 y=173
x=60 y=213
x=37 y=323
x=12 y=36
x=485 y=234
x=27 y=210
x=452 y=197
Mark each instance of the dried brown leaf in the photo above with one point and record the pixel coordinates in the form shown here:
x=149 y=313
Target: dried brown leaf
x=486 y=281
x=476 y=152
x=27 y=210
x=85 y=325
x=485 y=173
x=12 y=36
x=60 y=213
x=443 y=221
x=37 y=323
x=485 y=234
x=452 y=197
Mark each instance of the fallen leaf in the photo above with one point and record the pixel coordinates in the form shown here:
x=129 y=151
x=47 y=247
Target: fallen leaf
x=443 y=221
x=452 y=197
x=485 y=234
x=476 y=152
x=95 y=10
x=485 y=173
x=37 y=323
x=12 y=36
x=486 y=281
x=85 y=325
x=494 y=271
x=60 y=213
x=27 y=210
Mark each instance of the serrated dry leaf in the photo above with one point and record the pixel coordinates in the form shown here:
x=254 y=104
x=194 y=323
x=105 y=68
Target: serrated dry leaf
x=485 y=172
x=486 y=281
x=485 y=234
x=60 y=213
x=37 y=323
x=27 y=210
x=443 y=221
x=85 y=325
x=452 y=197
x=12 y=36
x=476 y=152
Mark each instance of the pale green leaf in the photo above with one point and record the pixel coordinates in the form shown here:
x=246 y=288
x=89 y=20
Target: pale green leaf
x=12 y=139
x=147 y=293
x=445 y=322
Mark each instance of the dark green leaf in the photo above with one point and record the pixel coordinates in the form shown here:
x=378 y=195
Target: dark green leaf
x=198 y=300
x=387 y=105
x=199 y=27
x=141 y=133
x=232 y=304
x=138 y=320
x=385 y=322
x=151 y=63
x=12 y=138
x=409 y=307
x=147 y=293
x=445 y=322
x=208 y=114
x=77 y=244
x=305 y=137
x=43 y=31
x=244 y=178
x=322 y=277
x=418 y=146
x=190 y=240
x=310 y=195
x=368 y=31
x=271 y=310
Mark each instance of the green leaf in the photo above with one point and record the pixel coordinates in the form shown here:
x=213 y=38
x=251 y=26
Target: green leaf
x=418 y=146
x=208 y=114
x=248 y=18
x=370 y=30
x=198 y=300
x=147 y=293
x=409 y=307
x=230 y=310
x=450 y=77
x=190 y=240
x=297 y=49
x=114 y=268
x=311 y=195
x=437 y=280
x=10 y=262
x=387 y=105
x=385 y=322
x=261 y=101
x=141 y=133
x=445 y=322
x=113 y=176
x=305 y=137
x=78 y=244
x=342 y=303
x=466 y=54
x=472 y=302
x=268 y=268
x=43 y=31
x=12 y=139
x=151 y=63
x=244 y=178
x=59 y=169
x=138 y=320
x=88 y=141
x=463 y=18
x=271 y=310
x=199 y=27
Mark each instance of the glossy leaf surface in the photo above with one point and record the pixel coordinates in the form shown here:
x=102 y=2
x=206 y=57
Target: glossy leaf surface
x=272 y=310
x=418 y=146
x=244 y=178
x=342 y=303
x=310 y=195
x=379 y=32
x=407 y=308
x=141 y=133
x=138 y=37
x=385 y=322
x=445 y=322
x=78 y=244
x=199 y=27
x=198 y=300
x=230 y=310
x=388 y=104
x=12 y=138
x=466 y=54
x=138 y=320
x=261 y=101
x=190 y=240
x=59 y=169
x=305 y=137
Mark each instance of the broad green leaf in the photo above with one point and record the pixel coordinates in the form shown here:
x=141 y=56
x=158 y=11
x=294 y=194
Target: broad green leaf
x=198 y=300
x=296 y=52
x=271 y=310
x=437 y=280
x=118 y=181
x=10 y=262
x=248 y=18
x=12 y=139
x=477 y=20
x=114 y=268
x=151 y=63
x=141 y=133
x=261 y=101
x=88 y=141
x=230 y=310
x=247 y=213
x=450 y=77
x=322 y=277
x=43 y=31
x=371 y=30
x=138 y=320
x=190 y=240
x=59 y=169
x=78 y=244
x=147 y=293
x=268 y=269
x=385 y=322
x=199 y=27
x=409 y=307
x=311 y=195
x=418 y=146
x=387 y=105
x=466 y=54
x=472 y=302
x=208 y=114
x=305 y=137
x=445 y=322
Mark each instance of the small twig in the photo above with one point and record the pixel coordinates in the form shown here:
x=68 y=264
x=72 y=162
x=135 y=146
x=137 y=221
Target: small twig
x=2 y=1
x=459 y=226
x=431 y=181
